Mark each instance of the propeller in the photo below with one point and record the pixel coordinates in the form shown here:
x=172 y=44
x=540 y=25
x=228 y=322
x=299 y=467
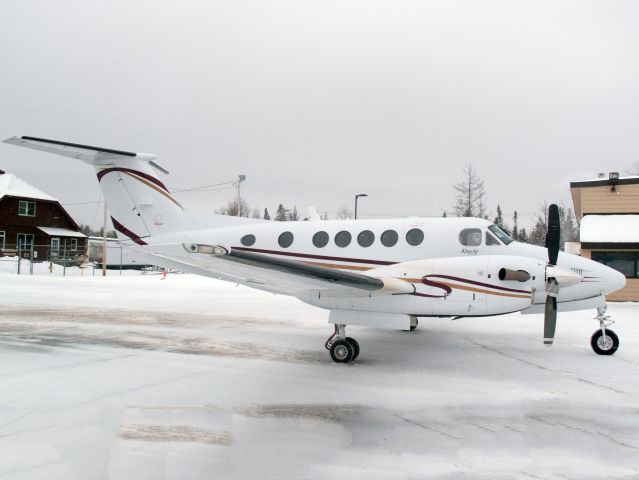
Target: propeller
x=552 y=285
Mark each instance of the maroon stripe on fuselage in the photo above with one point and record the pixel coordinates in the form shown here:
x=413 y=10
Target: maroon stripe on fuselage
x=146 y=176
x=473 y=282
x=125 y=231
x=317 y=257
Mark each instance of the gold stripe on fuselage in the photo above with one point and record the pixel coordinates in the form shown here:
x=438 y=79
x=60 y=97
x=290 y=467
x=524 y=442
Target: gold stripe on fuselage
x=419 y=281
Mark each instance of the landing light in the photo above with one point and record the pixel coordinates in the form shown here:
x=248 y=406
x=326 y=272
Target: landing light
x=207 y=249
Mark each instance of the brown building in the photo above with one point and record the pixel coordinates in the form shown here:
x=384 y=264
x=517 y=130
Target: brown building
x=34 y=223
x=608 y=211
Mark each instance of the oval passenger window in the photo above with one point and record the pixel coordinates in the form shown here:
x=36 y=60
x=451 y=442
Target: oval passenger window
x=414 y=237
x=285 y=240
x=366 y=238
x=320 y=239
x=248 y=240
x=343 y=239
x=389 y=238
x=470 y=237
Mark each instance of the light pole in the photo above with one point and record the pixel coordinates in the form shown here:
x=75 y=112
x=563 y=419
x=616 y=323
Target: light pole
x=240 y=179
x=356 y=197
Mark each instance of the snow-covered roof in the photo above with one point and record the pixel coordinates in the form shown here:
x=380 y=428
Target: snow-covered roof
x=13 y=186
x=61 y=232
x=605 y=178
x=609 y=229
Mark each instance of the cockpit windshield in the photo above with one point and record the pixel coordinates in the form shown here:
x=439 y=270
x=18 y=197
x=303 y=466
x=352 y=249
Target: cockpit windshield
x=503 y=236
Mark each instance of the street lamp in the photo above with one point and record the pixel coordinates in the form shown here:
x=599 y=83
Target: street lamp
x=356 y=197
x=240 y=179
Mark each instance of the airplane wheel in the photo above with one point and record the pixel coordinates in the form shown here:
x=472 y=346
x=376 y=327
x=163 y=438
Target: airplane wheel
x=604 y=345
x=355 y=346
x=413 y=327
x=342 y=351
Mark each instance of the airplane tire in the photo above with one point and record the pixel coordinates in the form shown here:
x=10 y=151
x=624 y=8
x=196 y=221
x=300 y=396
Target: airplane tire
x=413 y=327
x=604 y=346
x=355 y=346
x=342 y=351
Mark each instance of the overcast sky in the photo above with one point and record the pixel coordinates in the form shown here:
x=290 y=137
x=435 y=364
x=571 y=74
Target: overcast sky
x=316 y=101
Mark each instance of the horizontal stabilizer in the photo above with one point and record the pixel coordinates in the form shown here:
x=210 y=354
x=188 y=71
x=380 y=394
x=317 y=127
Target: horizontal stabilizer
x=86 y=153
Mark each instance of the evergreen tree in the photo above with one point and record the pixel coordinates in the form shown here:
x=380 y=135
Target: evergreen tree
x=294 y=216
x=569 y=230
x=499 y=219
x=523 y=236
x=266 y=215
x=471 y=196
x=282 y=214
x=538 y=233
x=515 y=233
x=444 y=215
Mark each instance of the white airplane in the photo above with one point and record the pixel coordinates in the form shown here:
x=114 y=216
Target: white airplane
x=376 y=273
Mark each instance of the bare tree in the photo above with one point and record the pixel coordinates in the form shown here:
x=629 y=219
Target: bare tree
x=633 y=169
x=231 y=209
x=471 y=196
x=343 y=213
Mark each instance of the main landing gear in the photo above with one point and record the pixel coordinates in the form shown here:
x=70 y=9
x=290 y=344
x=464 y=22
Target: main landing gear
x=343 y=349
x=604 y=341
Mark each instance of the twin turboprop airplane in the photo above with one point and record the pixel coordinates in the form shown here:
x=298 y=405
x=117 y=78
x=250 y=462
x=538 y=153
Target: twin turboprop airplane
x=377 y=273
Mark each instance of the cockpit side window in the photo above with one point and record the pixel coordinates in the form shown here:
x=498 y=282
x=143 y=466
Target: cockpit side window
x=470 y=237
x=500 y=234
x=490 y=240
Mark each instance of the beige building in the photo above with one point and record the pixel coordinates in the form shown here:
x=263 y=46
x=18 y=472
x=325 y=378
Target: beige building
x=608 y=211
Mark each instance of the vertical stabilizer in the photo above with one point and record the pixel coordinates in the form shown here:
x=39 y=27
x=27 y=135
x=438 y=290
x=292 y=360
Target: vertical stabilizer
x=140 y=205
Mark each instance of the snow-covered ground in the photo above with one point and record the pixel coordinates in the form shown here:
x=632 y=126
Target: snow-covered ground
x=134 y=377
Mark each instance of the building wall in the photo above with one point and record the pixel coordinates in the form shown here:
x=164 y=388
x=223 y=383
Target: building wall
x=47 y=214
x=600 y=200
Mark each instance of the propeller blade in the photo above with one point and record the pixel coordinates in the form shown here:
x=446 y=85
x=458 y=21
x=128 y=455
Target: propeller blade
x=550 y=320
x=550 y=313
x=553 y=234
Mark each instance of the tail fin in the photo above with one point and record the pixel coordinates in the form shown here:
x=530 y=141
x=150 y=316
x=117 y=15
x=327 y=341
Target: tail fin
x=140 y=204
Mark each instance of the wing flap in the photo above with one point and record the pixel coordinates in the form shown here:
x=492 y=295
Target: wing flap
x=268 y=273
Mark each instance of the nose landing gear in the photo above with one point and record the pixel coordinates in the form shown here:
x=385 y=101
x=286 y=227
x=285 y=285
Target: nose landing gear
x=604 y=341
x=343 y=349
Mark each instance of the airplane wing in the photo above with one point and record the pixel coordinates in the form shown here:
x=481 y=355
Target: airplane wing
x=271 y=274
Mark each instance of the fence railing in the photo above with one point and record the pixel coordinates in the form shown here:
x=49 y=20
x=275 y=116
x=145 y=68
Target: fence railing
x=64 y=256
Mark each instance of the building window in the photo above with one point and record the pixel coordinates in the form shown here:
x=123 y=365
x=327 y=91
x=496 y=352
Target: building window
x=624 y=262
x=470 y=237
x=26 y=208
x=55 y=244
x=2 y=237
x=389 y=238
x=343 y=239
x=248 y=240
x=414 y=237
x=285 y=240
x=365 y=238
x=320 y=239
x=74 y=244
x=25 y=241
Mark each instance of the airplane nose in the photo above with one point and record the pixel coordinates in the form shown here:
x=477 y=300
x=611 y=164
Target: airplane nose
x=614 y=280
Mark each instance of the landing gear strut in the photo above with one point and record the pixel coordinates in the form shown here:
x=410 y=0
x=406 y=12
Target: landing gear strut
x=604 y=341
x=343 y=349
